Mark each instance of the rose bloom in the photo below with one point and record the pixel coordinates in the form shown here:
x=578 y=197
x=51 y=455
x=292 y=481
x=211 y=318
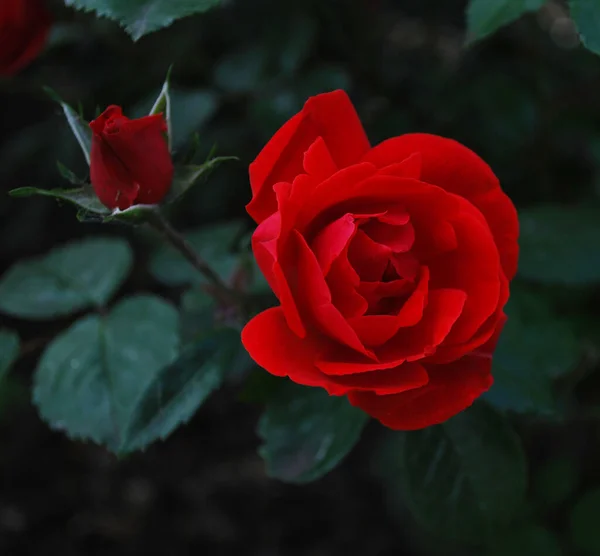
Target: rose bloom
x=24 y=27
x=391 y=265
x=130 y=162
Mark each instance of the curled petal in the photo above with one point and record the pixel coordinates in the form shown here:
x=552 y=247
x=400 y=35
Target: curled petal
x=330 y=116
x=451 y=389
x=457 y=169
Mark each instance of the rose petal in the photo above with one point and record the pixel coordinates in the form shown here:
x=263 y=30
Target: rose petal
x=332 y=240
x=318 y=161
x=398 y=238
x=376 y=329
x=410 y=167
x=369 y=258
x=312 y=292
x=473 y=267
x=451 y=389
x=330 y=116
x=275 y=348
x=343 y=282
x=387 y=381
x=444 y=307
x=457 y=169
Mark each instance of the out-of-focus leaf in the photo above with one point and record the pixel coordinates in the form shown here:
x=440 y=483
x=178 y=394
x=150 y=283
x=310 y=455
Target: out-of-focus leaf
x=555 y=482
x=200 y=314
x=140 y=17
x=190 y=112
x=80 y=128
x=584 y=523
x=485 y=17
x=186 y=177
x=9 y=349
x=69 y=278
x=300 y=40
x=586 y=15
x=323 y=78
x=82 y=197
x=91 y=379
x=69 y=175
x=535 y=348
x=178 y=389
x=560 y=244
x=466 y=477
x=531 y=540
x=213 y=243
x=198 y=310
x=307 y=433
x=243 y=71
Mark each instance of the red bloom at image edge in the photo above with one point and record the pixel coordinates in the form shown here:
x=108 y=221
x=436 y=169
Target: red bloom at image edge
x=391 y=265
x=130 y=159
x=24 y=28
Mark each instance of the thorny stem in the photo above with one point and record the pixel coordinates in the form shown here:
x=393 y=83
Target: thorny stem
x=222 y=291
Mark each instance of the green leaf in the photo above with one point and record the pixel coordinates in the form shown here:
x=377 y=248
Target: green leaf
x=531 y=540
x=66 y=280
x=466 y=477
x=200 y=314
x=555 y=482
x=584 y=523
x=80 y=128
x=325 y=77
x=187 y=176
x=91 y=379
x=177 y=390
x=197 y=313
x=9 y=349
x=213 y=243
x=586 y=15
x=140 y=17
x=82 y=197
x=69 y=175
x=297 y=47
x=307 y=433
x=560 y=244
x=162 y=105
x=190 y=111
x=535 y=348
x=484 y=17
x=242 y=72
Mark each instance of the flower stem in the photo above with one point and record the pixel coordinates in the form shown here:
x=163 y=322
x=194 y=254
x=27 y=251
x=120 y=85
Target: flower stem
x=160 y=223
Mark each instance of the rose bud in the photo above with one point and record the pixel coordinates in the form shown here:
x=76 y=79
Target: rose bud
x=130 y=160
x=391 y=265
x=24 y=27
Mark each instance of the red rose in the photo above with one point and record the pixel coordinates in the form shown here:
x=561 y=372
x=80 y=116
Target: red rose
x=130 y=160
x=391 y=265
x=24 y=27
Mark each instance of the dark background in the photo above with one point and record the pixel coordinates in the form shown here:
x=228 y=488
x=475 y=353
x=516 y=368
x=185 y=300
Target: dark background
x=526 y=100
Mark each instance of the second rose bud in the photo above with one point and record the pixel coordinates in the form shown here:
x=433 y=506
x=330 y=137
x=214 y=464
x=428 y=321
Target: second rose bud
x=130 y=159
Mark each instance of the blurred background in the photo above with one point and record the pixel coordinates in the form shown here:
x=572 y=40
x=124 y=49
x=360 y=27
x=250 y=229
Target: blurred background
x=525 y=99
